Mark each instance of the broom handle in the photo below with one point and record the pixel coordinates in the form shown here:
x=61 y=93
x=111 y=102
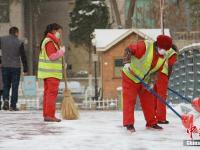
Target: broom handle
x=64 y=72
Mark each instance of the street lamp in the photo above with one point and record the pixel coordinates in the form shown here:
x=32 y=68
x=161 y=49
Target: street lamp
x=95 y=59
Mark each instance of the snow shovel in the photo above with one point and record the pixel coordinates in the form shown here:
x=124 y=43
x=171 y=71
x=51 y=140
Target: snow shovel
x=195 y=102
x=187 y=119
x=68 y=109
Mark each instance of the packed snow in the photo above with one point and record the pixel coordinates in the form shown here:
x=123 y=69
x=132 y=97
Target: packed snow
x=95 y=130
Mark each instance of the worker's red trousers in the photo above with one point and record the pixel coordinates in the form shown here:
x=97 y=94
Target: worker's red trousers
x=130 y=92
x=161 y=88
x=50 y=95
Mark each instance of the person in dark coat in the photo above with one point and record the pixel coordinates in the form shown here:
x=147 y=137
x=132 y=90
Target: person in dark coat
x=13 y=54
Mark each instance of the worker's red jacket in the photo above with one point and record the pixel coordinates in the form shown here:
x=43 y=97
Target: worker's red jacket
x=138 y=50
x=51 y=49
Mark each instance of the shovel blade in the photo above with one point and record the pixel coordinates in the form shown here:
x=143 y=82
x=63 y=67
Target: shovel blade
x=196 y=104
x=187 y=120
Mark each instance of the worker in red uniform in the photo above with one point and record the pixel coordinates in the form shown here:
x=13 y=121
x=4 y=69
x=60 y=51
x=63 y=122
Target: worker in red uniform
x=161 y=84
x=147 y=57
x=50 y=69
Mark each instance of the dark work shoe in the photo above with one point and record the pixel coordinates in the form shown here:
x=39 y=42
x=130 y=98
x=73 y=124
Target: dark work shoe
x=163 y=122
x=6 y=105
x=57 y=120
x=50 y=119
x=155 y=126
x=130 y=128
x=14 y=109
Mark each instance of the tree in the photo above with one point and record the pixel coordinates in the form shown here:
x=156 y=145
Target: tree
x=129 y=21
x=87 y=16
x=174 y=14
x=194 y=13
x=116 y=12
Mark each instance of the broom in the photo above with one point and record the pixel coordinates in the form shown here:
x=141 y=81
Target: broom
x=69 y=110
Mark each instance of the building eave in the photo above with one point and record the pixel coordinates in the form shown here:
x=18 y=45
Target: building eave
x=123 y=36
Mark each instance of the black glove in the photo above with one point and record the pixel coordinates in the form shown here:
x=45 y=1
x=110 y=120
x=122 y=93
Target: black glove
x=127 y=56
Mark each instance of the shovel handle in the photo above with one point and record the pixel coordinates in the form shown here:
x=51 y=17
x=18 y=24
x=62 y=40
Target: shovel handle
x=157 y=96
x=181 y=96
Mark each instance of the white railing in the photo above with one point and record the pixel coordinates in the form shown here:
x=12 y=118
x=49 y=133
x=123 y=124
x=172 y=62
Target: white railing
x=105 y=104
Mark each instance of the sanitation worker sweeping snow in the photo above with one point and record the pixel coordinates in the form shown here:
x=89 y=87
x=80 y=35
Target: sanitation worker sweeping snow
x=147 y=57
x=161 y=85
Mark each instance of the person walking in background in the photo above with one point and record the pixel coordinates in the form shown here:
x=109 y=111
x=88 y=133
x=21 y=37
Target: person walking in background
x=50 y=69
x=12 y=51
x=1 y=83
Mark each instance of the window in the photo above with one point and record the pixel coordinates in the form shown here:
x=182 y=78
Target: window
x=4 y=11
x=69 y=67
x=118 y=67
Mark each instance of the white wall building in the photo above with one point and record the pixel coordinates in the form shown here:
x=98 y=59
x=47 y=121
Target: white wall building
x=11 y=14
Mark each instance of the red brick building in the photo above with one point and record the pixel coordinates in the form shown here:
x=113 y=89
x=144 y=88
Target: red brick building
x=110 y=45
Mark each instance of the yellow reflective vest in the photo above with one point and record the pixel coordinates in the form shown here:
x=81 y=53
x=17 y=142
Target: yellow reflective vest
x=142 y=67
x=165 y=69
x=46 y=67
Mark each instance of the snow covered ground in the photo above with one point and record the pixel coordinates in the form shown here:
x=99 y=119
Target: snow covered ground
x=96 y=130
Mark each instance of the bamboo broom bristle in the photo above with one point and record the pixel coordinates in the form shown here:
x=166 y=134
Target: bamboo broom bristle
x=69 y=110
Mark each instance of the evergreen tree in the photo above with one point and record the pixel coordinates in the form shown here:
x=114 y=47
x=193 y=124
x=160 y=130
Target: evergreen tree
x=86 y=16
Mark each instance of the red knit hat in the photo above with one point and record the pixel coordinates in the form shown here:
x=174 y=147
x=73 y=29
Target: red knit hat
x=164 y=42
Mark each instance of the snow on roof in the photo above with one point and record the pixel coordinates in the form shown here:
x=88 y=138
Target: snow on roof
x=106 y=38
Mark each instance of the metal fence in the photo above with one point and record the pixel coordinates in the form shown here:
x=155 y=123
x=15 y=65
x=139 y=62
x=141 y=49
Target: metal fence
x=185 y=78
x=79 y=93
